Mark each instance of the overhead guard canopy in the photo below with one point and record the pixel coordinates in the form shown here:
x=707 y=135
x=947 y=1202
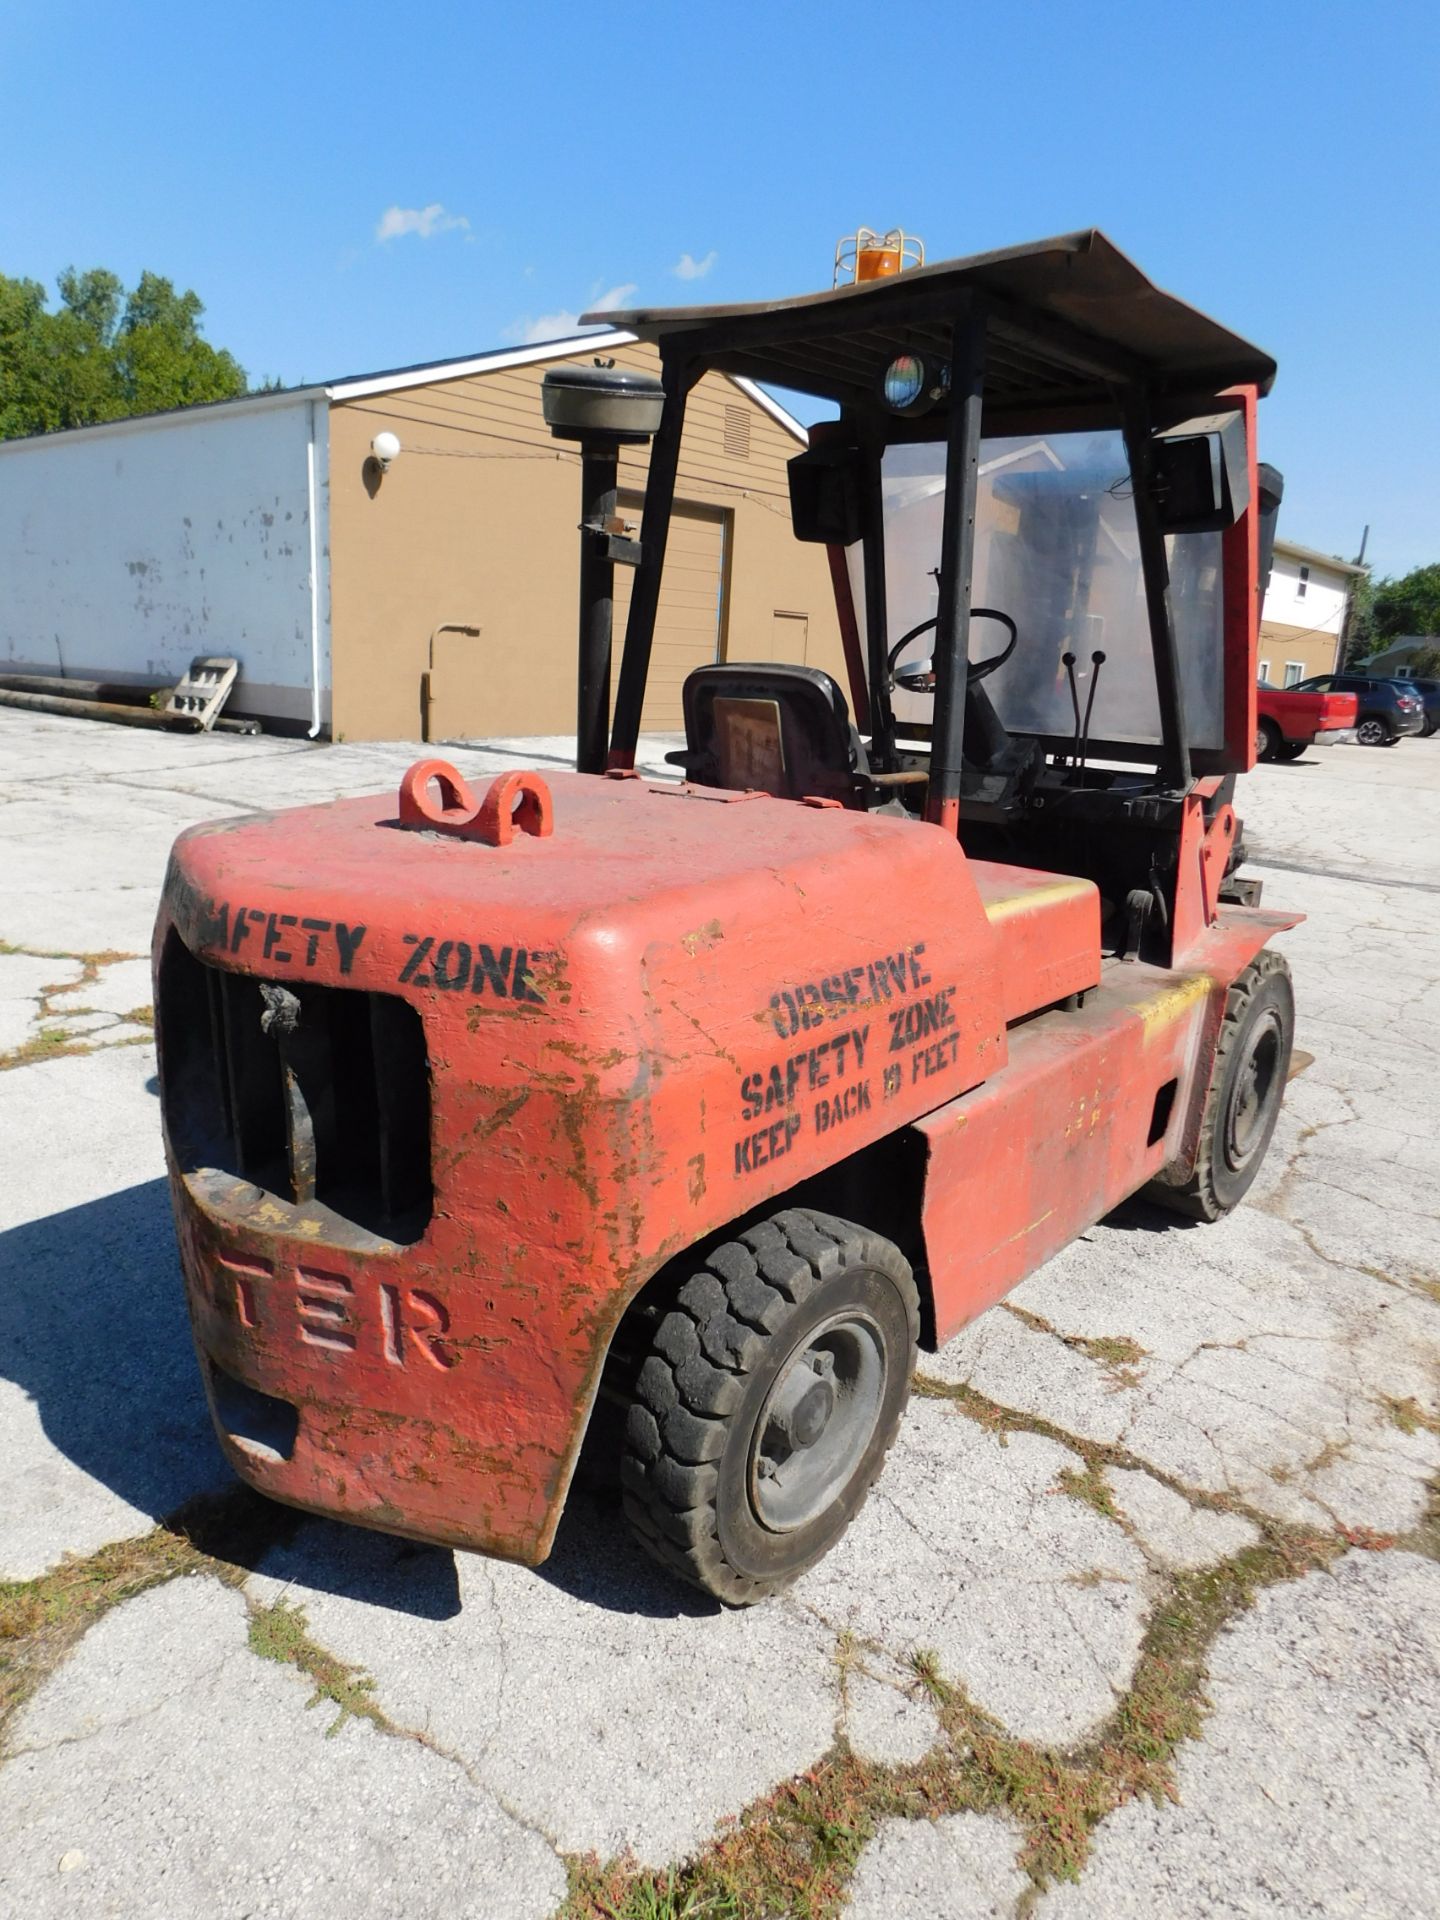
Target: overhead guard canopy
x=1068 y=319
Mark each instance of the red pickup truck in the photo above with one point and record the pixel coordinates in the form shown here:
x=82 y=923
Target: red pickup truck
x=1289 y=720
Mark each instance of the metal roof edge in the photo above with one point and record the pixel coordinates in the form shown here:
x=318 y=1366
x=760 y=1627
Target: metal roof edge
x=1084 y=240
x=780 y=415
x=1320 y=559
x=167 y=417
x=496 y=361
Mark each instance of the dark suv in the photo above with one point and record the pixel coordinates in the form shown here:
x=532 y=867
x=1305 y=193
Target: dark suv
x=1429 y=692
x=1388 y=708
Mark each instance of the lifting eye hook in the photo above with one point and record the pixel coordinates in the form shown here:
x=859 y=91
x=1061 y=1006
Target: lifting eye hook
x=517 y=800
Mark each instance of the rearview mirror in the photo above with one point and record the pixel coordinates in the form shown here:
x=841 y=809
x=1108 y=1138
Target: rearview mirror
x=1201 y=474
x=826 y=495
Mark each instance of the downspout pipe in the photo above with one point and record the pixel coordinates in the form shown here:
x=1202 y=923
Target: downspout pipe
x=312 y=490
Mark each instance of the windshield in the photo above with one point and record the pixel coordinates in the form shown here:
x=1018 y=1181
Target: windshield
x=1056 y=547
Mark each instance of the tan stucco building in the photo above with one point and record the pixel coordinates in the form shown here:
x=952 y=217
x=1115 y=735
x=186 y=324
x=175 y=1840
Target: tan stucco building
x=438 y=597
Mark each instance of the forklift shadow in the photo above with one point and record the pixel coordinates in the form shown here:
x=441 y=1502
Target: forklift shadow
x=376 y=1569
x=1139 y=1215
x=599 y=1562
x=593 y=1561
x=94 y=1331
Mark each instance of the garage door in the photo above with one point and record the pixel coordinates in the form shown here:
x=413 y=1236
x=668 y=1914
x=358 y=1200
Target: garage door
x=690 y=621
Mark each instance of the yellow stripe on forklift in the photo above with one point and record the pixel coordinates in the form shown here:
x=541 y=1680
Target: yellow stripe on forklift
x=1172 y=1004
x=1045 y=896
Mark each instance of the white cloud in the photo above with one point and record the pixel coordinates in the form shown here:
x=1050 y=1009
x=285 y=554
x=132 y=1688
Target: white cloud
x=396 y=222
x=555 y=326
x=687 y=267
x=616 y=297
x=550 y=326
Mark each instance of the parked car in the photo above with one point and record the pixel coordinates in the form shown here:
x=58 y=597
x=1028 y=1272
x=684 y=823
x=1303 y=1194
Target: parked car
x=1388 y=708
x=1290 y=719
x=1429 y=692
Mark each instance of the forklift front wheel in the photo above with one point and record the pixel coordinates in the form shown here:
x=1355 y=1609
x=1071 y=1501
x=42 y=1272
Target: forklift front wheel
x=768 y=1400
x=1252 y=1063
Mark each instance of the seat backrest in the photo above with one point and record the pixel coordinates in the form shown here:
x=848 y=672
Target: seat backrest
x=781 y=729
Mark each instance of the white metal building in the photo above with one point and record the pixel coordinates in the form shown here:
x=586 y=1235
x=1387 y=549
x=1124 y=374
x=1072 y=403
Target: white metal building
x=440 y=593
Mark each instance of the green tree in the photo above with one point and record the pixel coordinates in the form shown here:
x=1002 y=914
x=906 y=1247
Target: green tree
x=1410 y=604
x=104 y=354
x=1360 y=620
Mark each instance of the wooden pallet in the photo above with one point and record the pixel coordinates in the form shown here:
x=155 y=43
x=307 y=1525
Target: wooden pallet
x=203 y=689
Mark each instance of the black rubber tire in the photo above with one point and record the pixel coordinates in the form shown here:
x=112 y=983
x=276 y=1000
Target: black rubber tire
x=1268 y=739
x=1382 y=734
x=701 y=1391
x=1291 y=749
x=1259 y=1011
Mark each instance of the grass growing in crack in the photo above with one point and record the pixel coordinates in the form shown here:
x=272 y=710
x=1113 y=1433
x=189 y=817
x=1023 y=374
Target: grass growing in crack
x=985 y=1413
x=40 y=1620
x=1409 y=1416
x=793 y=1852
x=790 y=1853
x=281 y=1632
x=925 y=1664
x=52 y=1043
x=1116 y=1354
x=1096 y=1454
x=1089 y=1485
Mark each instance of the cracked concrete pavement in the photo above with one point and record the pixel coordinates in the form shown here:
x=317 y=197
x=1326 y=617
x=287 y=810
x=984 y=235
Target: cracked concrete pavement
x=1280 y=1367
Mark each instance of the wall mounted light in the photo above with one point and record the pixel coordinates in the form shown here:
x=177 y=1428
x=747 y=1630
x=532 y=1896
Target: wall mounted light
x=385 y=447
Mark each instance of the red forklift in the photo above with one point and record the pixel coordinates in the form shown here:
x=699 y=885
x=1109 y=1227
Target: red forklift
x=717 y=1097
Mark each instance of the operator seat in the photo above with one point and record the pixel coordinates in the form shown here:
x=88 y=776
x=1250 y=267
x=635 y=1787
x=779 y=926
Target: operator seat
x=786 y=730
x=772 y=727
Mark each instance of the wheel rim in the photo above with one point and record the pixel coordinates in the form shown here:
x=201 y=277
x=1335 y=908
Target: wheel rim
x=1370 y=733
x=1261 y=742
x=817 y=1421
x=1254 y=1091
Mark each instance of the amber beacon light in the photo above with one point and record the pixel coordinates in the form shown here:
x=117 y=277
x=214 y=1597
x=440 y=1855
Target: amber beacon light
x=864 y=255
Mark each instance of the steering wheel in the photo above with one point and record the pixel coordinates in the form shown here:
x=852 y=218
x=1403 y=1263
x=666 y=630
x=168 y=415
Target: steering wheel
x=921 y=677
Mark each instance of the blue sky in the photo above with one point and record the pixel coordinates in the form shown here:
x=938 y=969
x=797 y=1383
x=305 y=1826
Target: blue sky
x=356 y=187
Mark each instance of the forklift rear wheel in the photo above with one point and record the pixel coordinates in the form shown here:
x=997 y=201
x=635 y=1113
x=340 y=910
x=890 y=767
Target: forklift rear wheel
x=768 y=1400
x=1252 y=1062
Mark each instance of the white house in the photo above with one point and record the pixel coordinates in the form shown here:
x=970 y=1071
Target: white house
x=1303 y=619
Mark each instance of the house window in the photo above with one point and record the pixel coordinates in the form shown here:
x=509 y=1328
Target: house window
x=1264 y=669
x=1294 y=672
x=1304 y=582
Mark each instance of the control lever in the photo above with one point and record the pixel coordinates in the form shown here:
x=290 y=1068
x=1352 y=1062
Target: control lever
x=1067 y=660
x=1097 y=660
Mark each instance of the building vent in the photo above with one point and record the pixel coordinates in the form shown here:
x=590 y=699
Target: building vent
x=737 y=432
